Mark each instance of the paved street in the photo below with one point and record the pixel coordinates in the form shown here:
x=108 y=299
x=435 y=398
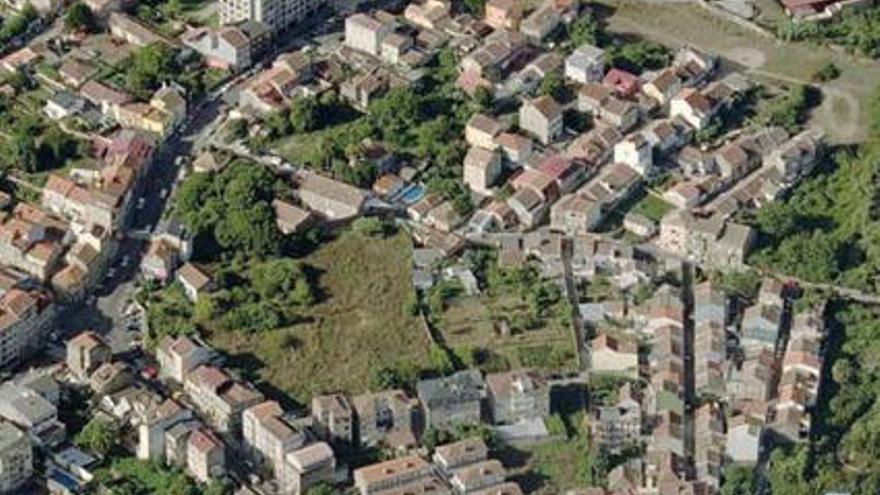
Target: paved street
x=105 y=313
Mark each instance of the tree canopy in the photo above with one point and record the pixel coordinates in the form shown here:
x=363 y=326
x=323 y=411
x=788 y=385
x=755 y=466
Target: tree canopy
x=79 y=17
x=232 y=208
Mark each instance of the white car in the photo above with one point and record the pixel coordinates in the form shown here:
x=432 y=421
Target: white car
x=163 y=193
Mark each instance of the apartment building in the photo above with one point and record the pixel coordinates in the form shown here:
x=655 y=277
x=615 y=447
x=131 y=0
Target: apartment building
x=517 y=396
x=383 y=414
x=16 y=458
x=85 y=352
x=179 y=356
x=279 y=15
x=219 y=398
x=25 y=319
x=333 y=417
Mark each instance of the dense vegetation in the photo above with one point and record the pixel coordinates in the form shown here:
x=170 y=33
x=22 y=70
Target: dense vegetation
x=844 y=453
x=34 y=145
x=829 y=229
x=422 y=124
x=155 y=64
x=17 y=24
x=857 y=31
x=231 y=209
x=130 y=476
x=231 y=216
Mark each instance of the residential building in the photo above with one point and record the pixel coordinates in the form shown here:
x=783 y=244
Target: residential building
x=132 y=31
x=516 y=396
x=333 y=417
x=503 y=14
x=194 y=279
x=386 y=415
x=761 y=325
x=663 y=87
x=639 y=224
x=625 y=84
x=452 y=456
x=268 y=436
x=481 y=130
x=219 y=398
x=154 y=421
x=290 y=218
x=574 y=214
x=592 y=96
x=541 y=117
x=619 y=426
x=110 y=377
x=482 y=168
x=365 y=33
x=477 y=476
x=586 y=64
x=515 y=147
x=492 y=60
x=307 y=467
x=85 y=352
x=233 y=48
x=31 y=240
x=540 y=23
x=743 y=445
x=177 y=442
x=428 y=14
x=331 y=199
x=179 y=356
x=205 y=456
x=26 y=317
x=28 y=410
x=619 y=356
x=16 y=458
x=453 y=400
x=619 y=113
x=63 y=104
x=388 y=475
x=636 y=152
x=279 y=15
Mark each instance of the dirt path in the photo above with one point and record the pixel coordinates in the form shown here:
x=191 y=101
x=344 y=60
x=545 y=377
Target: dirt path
x=684 y=24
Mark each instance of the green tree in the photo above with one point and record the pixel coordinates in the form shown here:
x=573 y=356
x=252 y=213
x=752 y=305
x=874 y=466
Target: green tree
x=282 y=279
x=98 y=436
x=739 y=480
x=150 y=67
x=304 y=114
x=369 y=226
x=553 y=86
x=79 y=17
x=584 y=30
x=395 y=114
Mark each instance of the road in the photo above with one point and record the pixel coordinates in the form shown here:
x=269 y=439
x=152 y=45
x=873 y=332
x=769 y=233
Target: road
x=104 y=313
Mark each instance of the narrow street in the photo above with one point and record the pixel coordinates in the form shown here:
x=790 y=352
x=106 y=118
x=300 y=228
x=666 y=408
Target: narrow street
x=104 y=313
x=687 y=299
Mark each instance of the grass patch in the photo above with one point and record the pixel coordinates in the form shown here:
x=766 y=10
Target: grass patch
x=469 y=322
x=652 y=207
x=361 y=322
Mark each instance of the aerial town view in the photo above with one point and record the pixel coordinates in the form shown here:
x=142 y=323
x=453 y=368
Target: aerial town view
x=440 y=247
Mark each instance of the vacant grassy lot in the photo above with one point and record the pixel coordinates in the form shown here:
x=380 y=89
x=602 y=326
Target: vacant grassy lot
x=763 y=56
x=360 y=323
x=470 y=322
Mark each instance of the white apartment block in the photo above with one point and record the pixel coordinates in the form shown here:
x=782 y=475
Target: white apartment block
x=277 y=14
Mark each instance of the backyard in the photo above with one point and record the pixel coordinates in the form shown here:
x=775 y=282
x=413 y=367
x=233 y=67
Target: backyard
x=475 y=323
x=360 y=322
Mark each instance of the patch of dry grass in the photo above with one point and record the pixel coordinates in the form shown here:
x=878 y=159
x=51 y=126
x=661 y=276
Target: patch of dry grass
x=361 y=322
